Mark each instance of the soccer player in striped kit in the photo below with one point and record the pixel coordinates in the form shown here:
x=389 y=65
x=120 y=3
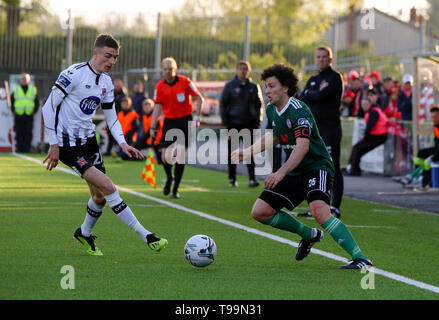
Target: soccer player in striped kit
x=306 y=175
x=68 y=114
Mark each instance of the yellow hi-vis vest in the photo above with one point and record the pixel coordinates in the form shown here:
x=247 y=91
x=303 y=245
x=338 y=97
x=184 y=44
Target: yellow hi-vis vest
x=24 y=103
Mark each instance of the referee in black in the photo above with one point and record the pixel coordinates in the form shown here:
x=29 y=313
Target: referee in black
x=322 y=94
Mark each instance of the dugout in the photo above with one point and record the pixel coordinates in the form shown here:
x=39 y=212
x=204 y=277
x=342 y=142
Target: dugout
x=425 y=65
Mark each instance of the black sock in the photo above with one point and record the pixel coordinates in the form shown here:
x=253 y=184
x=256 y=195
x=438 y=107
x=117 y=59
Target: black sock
x=178 y=172
x=168 y=171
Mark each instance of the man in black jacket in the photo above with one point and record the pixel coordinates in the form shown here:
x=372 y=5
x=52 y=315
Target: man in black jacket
x=240 y=107
x=322 y=94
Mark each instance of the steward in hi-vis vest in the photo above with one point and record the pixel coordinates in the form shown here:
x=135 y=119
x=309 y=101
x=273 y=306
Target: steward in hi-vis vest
x=24 y=104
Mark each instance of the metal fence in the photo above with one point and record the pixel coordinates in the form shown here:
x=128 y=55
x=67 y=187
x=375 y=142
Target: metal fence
x=206 y=47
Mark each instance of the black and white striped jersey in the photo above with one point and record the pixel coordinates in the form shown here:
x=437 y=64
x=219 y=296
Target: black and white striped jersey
x=84 y=89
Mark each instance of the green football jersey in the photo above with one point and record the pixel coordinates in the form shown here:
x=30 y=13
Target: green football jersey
x=296 y=120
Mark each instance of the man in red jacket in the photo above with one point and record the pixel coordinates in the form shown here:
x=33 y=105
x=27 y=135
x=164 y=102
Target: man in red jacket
x=374 y=136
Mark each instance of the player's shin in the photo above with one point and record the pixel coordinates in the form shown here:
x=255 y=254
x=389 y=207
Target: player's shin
x=94 y=212
x=341 y=234
x=123 y=211
x=284 y=221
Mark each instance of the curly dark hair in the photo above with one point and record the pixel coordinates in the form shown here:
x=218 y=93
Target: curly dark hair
x=285 y=75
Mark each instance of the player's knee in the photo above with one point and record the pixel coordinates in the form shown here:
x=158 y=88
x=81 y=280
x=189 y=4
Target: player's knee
x=259 y=214
x=320 y=210
x=107 y=187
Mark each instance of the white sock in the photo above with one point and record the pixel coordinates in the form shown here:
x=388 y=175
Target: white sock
x=92 y=216
x=124 y=213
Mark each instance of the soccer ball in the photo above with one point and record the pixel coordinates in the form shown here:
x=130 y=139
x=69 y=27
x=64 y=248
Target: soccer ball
x=200 y=250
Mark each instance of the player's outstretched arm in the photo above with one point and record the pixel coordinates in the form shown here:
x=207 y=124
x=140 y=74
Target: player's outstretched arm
x=295 y=158
x=49 y=111
x=266 y=142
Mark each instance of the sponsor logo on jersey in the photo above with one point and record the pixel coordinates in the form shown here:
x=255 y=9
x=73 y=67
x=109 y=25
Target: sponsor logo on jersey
x=89 y=104
x=81 y=161
x=284 y=138
x=181 y=97
x=289 y=123
x=303 y=122
x=62 y=80
x=104 y=91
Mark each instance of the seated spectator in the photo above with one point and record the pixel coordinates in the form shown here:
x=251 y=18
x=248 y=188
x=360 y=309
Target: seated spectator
x=404 y=100
x=129 y=120
x=374 y=136
x=144 y=140
x=421 y=176
x=347 y=103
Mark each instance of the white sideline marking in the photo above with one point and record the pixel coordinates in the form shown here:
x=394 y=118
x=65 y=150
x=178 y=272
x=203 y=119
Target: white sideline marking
x=325 y=254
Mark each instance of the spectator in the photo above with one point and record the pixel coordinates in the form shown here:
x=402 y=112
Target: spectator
x=119 y=93
x=366 y=86
x=427 y=95
x=138 y=96
x=347 y=103
x=374 y=136
x=129 y=120
x=375 y=77
x=352 y=75
x=388 y=85
x=24 y=103
x=391 y=110
x=357 y=89
x=240 y=106
x=404 y=100
x=144 y=139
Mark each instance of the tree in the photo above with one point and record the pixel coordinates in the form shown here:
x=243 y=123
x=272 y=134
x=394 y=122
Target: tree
x=295 y=22
x=12 y=16
x=433 y=17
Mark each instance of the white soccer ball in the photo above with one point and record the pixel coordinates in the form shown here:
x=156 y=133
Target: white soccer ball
x=200 y=250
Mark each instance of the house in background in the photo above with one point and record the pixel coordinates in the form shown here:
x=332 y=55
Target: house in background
x=385 y=33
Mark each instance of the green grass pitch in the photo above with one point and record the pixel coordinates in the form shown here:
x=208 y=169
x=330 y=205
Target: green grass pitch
x=40 y=210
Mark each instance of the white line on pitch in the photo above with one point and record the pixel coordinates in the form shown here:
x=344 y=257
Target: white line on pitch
x=329 y=255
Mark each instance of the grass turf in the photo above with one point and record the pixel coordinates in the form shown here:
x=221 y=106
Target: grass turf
x=40 y=210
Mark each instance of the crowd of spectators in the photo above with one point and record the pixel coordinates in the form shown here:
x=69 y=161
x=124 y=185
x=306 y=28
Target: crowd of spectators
x=393 y=96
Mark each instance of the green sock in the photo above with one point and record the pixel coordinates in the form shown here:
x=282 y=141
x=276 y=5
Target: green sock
x=417 y=173
x=284 y=221
x=343 y=237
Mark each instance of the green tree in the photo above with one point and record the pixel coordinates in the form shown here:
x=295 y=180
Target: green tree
x=12 y=16
x=433 y=17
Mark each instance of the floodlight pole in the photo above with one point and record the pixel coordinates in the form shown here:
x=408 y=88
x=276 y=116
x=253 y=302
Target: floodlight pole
x=69 y=40
x=246 y=52
x=158 y=44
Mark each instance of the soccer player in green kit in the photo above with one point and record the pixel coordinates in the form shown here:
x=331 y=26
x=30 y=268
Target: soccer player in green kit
x=306 y=175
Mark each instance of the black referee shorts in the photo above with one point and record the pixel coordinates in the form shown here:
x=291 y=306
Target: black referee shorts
x=82 y=157
x=181 y=133
x=292 y=190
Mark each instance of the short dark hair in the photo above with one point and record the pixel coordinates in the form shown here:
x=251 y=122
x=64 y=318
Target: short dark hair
x=106 y=40
x=284 y=74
